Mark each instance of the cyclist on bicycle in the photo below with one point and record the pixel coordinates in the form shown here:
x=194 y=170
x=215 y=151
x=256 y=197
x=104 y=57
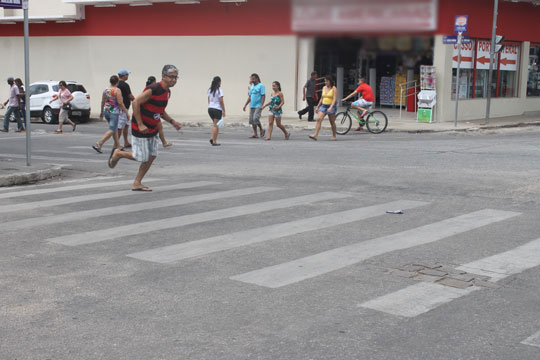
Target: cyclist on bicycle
x=367 y=99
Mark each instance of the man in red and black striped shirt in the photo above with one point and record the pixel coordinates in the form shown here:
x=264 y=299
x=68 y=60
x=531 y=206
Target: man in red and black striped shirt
x=148 y=110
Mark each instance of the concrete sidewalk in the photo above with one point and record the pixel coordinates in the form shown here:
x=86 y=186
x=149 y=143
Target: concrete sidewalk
x=19 y=174
x=406 y=124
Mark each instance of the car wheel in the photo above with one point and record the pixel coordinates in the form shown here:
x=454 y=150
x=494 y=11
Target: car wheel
x=12 y=118
x=49 y=117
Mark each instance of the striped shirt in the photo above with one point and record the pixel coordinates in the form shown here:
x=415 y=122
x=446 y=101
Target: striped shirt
x=151 y=111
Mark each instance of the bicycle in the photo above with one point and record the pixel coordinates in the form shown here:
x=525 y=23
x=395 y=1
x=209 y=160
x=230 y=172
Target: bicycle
x=375 y=121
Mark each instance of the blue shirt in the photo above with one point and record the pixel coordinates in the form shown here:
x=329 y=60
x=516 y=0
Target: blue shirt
x=256 y=93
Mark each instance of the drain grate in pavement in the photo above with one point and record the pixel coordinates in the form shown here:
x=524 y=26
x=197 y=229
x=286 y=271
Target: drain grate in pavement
x=443 y=275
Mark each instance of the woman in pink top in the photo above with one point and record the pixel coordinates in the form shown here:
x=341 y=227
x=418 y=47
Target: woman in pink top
x=64 y=97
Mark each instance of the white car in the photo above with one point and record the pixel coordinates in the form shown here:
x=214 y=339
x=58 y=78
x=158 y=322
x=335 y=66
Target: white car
x=42 y=92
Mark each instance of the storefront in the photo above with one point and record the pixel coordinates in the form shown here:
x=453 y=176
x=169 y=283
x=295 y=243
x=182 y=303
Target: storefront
x=384 y=41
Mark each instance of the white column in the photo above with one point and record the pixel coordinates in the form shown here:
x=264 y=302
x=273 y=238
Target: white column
x=306 y=64
x=442 y=60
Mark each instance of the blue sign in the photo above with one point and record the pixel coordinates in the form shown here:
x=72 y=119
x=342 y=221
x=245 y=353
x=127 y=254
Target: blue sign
x=11 y=4
x=460 y=25
x=452 y=39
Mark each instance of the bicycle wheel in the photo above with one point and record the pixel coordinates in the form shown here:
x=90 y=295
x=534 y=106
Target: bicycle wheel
x=343 y=123
x=376 y=122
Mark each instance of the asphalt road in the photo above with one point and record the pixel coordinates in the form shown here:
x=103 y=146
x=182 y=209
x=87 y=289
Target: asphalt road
x=275 y=250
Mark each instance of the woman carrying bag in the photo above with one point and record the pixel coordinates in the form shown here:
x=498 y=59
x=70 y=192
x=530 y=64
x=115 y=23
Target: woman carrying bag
x=64 y=97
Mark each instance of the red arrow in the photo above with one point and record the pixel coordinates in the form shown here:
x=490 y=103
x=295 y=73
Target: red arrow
x=506 y=61
x=463 y=59
x=483 y=60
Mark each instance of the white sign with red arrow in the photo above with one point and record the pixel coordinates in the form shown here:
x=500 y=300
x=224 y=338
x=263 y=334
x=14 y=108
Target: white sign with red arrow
x=509 y=58
x=482 y=55
x=466 y=56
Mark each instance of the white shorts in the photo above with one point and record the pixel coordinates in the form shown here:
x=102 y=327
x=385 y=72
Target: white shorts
x=143 y=148
x=122 y=120
x=362 y=103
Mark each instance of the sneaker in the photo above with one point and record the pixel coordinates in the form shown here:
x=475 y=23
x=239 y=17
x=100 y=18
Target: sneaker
x=299 y=115
x=359 y=128
x=4 y=130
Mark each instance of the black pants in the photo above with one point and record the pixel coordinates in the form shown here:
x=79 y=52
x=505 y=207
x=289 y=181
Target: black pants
x=309 y=108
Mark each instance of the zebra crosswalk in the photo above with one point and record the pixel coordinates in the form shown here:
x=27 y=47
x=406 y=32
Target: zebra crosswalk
x=320 y=211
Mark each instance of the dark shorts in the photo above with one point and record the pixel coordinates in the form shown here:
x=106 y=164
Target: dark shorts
x=215 y=114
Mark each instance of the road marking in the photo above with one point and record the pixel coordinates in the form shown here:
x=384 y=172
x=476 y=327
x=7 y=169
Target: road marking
x=533 y=340
x=106 y=185
x=207 y=246
x=416 y=299
x=507 y=263
x=38 y=157
x=93 y=152
x=25 y=187
x=497 y=267
x=129 y=208
x=92 y=197
x=308 y=267
x=175 y=222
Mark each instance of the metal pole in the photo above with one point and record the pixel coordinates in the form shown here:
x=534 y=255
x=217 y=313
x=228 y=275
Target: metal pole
x=27 y=87
x=460 y=35
x=491 y=57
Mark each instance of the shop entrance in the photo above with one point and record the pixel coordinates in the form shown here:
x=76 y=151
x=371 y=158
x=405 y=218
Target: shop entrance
x=385 y=62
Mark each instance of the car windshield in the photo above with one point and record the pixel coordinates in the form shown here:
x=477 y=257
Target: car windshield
x=55 y=87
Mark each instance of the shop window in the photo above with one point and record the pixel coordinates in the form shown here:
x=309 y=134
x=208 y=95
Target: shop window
x=474 y=71
x=533 y=80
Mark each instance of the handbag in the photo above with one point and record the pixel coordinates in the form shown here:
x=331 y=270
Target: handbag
x=66 y=107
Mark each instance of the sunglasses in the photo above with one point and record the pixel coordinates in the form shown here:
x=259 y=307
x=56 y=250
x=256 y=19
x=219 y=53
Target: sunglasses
x=172 y=77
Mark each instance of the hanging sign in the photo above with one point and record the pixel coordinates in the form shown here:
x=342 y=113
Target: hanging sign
x=13 y=4
x=364 y=16
x=509 y=58
x=466 y=56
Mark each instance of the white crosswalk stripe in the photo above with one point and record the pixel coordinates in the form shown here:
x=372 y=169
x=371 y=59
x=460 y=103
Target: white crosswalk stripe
x=497 y=267
x=129 y=208
x=105 y=184
x=533 y=340
x=170 y=223
x=52 y=158
x=308 y=267
x=92 y=197
x=225 y=242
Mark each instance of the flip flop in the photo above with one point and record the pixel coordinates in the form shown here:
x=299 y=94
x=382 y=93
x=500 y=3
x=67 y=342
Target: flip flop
x=97 y=149
x=312 y=137
x=263 y=132
x=126 y=146
x=216 y=144
x=144 y=188
x=111 y=158
x=59 y=131
x=288 y=136
x=253 y=137
x=169 y=144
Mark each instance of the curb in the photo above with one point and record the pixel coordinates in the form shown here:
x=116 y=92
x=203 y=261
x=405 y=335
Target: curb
x=22 y=178
x=188 y=124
